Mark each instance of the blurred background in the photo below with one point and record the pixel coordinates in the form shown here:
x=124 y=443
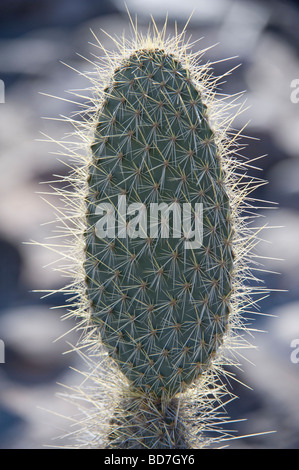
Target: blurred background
x=35 y=36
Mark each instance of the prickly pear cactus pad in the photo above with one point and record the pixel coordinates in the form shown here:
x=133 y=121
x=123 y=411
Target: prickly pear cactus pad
x=160 y=252
x=162 y=309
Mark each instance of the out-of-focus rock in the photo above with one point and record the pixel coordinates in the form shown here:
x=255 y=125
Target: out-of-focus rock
x=279 y=248
x=272 y=69
x=29 y=334
x=275 y=378
x=284 y=182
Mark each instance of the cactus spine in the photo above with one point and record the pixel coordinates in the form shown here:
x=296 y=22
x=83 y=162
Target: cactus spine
x=158 y=314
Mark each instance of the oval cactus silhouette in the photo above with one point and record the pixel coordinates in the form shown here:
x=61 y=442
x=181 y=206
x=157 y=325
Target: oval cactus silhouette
x=157 y=204
x=162 y=309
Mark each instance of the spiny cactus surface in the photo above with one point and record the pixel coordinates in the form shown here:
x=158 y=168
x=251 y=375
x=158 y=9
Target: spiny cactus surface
x=157 y=205
x=161 y=308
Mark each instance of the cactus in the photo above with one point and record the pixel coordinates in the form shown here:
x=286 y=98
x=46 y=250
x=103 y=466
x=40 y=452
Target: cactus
x=158 y=311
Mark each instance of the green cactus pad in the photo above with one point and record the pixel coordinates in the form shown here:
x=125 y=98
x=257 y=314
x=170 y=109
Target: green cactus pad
x=161 y=309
